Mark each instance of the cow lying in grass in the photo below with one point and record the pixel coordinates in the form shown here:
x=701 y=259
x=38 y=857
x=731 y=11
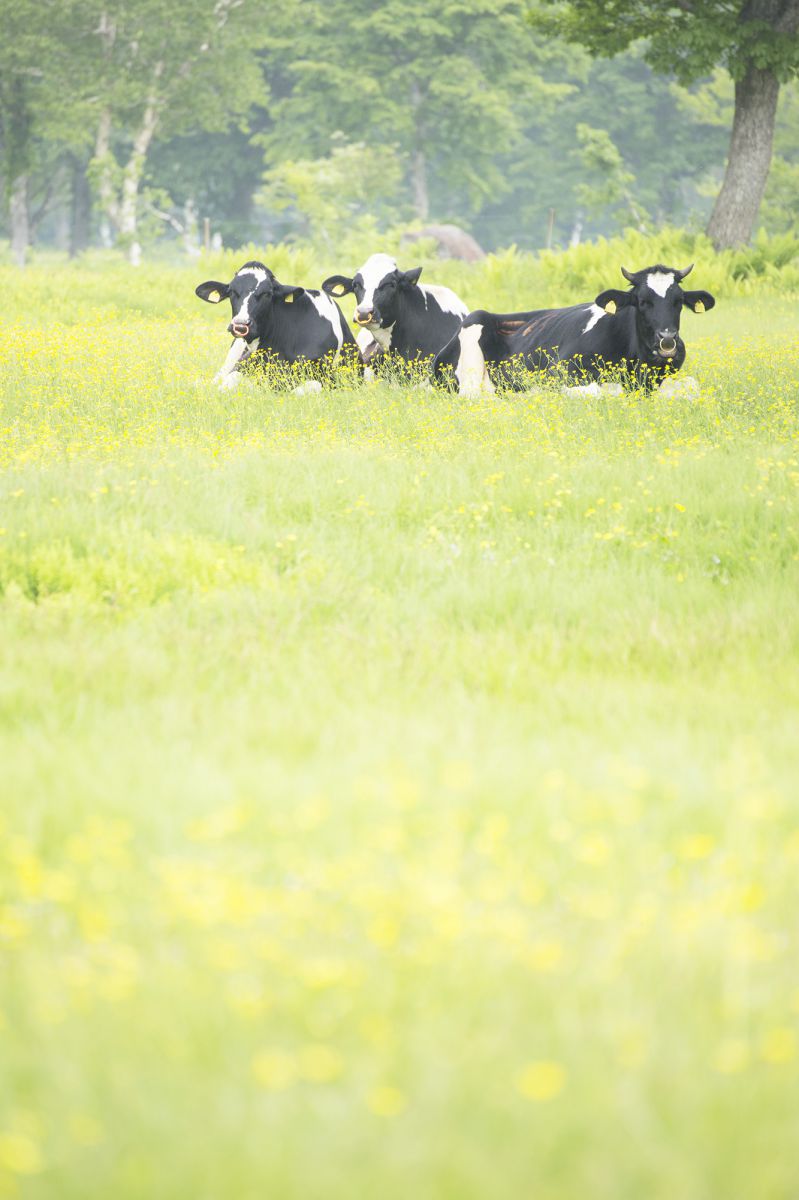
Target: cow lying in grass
x=397 y=315
x=634 y=333
x=286 y=325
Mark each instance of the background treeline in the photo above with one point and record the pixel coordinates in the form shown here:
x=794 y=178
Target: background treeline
x=123 y=123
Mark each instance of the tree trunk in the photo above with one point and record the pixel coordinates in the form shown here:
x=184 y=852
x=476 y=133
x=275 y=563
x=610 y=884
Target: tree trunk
x=80 y=209
x=20 y=232
x=134 y=170
x=105 y=177
x=421 y=200
x=738 y=203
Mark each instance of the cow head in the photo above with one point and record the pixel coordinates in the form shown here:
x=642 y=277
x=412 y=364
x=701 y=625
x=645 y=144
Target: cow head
x=251 y=291
x=377 y=287
x=658 y=298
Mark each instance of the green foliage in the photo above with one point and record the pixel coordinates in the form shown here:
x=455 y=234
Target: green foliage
x=449 y=86
x=38 y=96
x=505 y=281
x=353 y=183
x=608 y=183
x=465 y=109
x=689 y=40
x=781 y=201
x=515 y=281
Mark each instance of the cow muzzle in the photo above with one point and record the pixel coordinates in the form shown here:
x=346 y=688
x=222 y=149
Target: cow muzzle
x=667 y=346
x=364 y=318
x=238 y=329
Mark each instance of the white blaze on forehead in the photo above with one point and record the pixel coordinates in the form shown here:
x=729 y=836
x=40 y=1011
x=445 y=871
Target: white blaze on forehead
x=256 y=275
x=328 y=309
x=597 y=314
x=373 y=272
x=470 y=370
x=660 y=281
x=445 y=298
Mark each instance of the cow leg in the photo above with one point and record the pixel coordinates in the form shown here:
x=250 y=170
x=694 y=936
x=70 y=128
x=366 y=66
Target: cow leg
x=368 y=350
x=239 y=352
x=470 y=368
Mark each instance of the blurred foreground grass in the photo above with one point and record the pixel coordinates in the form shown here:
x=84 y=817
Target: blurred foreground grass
x=399 y=793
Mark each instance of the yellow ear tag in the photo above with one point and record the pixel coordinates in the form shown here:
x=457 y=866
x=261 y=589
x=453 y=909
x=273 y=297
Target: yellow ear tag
x=290 y=298
x=610 y=307
x=699 y=306
x=214 y=297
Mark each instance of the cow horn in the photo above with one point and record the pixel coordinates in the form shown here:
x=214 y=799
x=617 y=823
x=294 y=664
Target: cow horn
x=627 y=275
x=687 y=271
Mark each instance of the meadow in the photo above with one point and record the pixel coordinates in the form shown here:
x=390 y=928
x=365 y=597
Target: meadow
x=399 y=792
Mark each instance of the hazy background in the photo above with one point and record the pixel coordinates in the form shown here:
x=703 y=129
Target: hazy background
x=141 y=121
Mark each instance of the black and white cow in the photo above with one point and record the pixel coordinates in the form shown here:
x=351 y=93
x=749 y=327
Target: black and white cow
x=397 y=313
x=637 y=331
x=286 y=323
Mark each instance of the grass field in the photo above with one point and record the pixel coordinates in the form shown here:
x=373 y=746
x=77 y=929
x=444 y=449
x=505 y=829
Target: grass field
x=399 y=792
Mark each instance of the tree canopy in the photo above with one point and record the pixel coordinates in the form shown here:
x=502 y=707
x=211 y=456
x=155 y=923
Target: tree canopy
x=120 y=119
x=755 y=41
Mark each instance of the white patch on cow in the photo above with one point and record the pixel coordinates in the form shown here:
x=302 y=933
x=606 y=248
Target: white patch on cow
x=381 y=336
x=327 y=309
x=258 y=274
x=582 y=389
x=373 y=271
x=597 y=314
x=445 y=298
x=304 y=389
x=470 y=370
x=683 y=385
x=363 y=340
x=660 y=281
x=234 y=357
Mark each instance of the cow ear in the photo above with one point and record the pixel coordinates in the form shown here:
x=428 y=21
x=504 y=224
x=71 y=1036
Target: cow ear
x=337 y=285
x=212 y=291
x=699 y=301
x=614 y=298
x=287 y=292
x=410 y=277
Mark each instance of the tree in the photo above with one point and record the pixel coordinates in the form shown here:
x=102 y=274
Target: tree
x=755 y=40
x=36 y=101
x=447 y=84
x=781 y=201
x=163 y=67
x=603 y=161
x=553 y=176
x=353 y=181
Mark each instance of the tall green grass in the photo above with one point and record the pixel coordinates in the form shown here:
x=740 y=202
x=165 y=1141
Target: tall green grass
x=399 y=791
